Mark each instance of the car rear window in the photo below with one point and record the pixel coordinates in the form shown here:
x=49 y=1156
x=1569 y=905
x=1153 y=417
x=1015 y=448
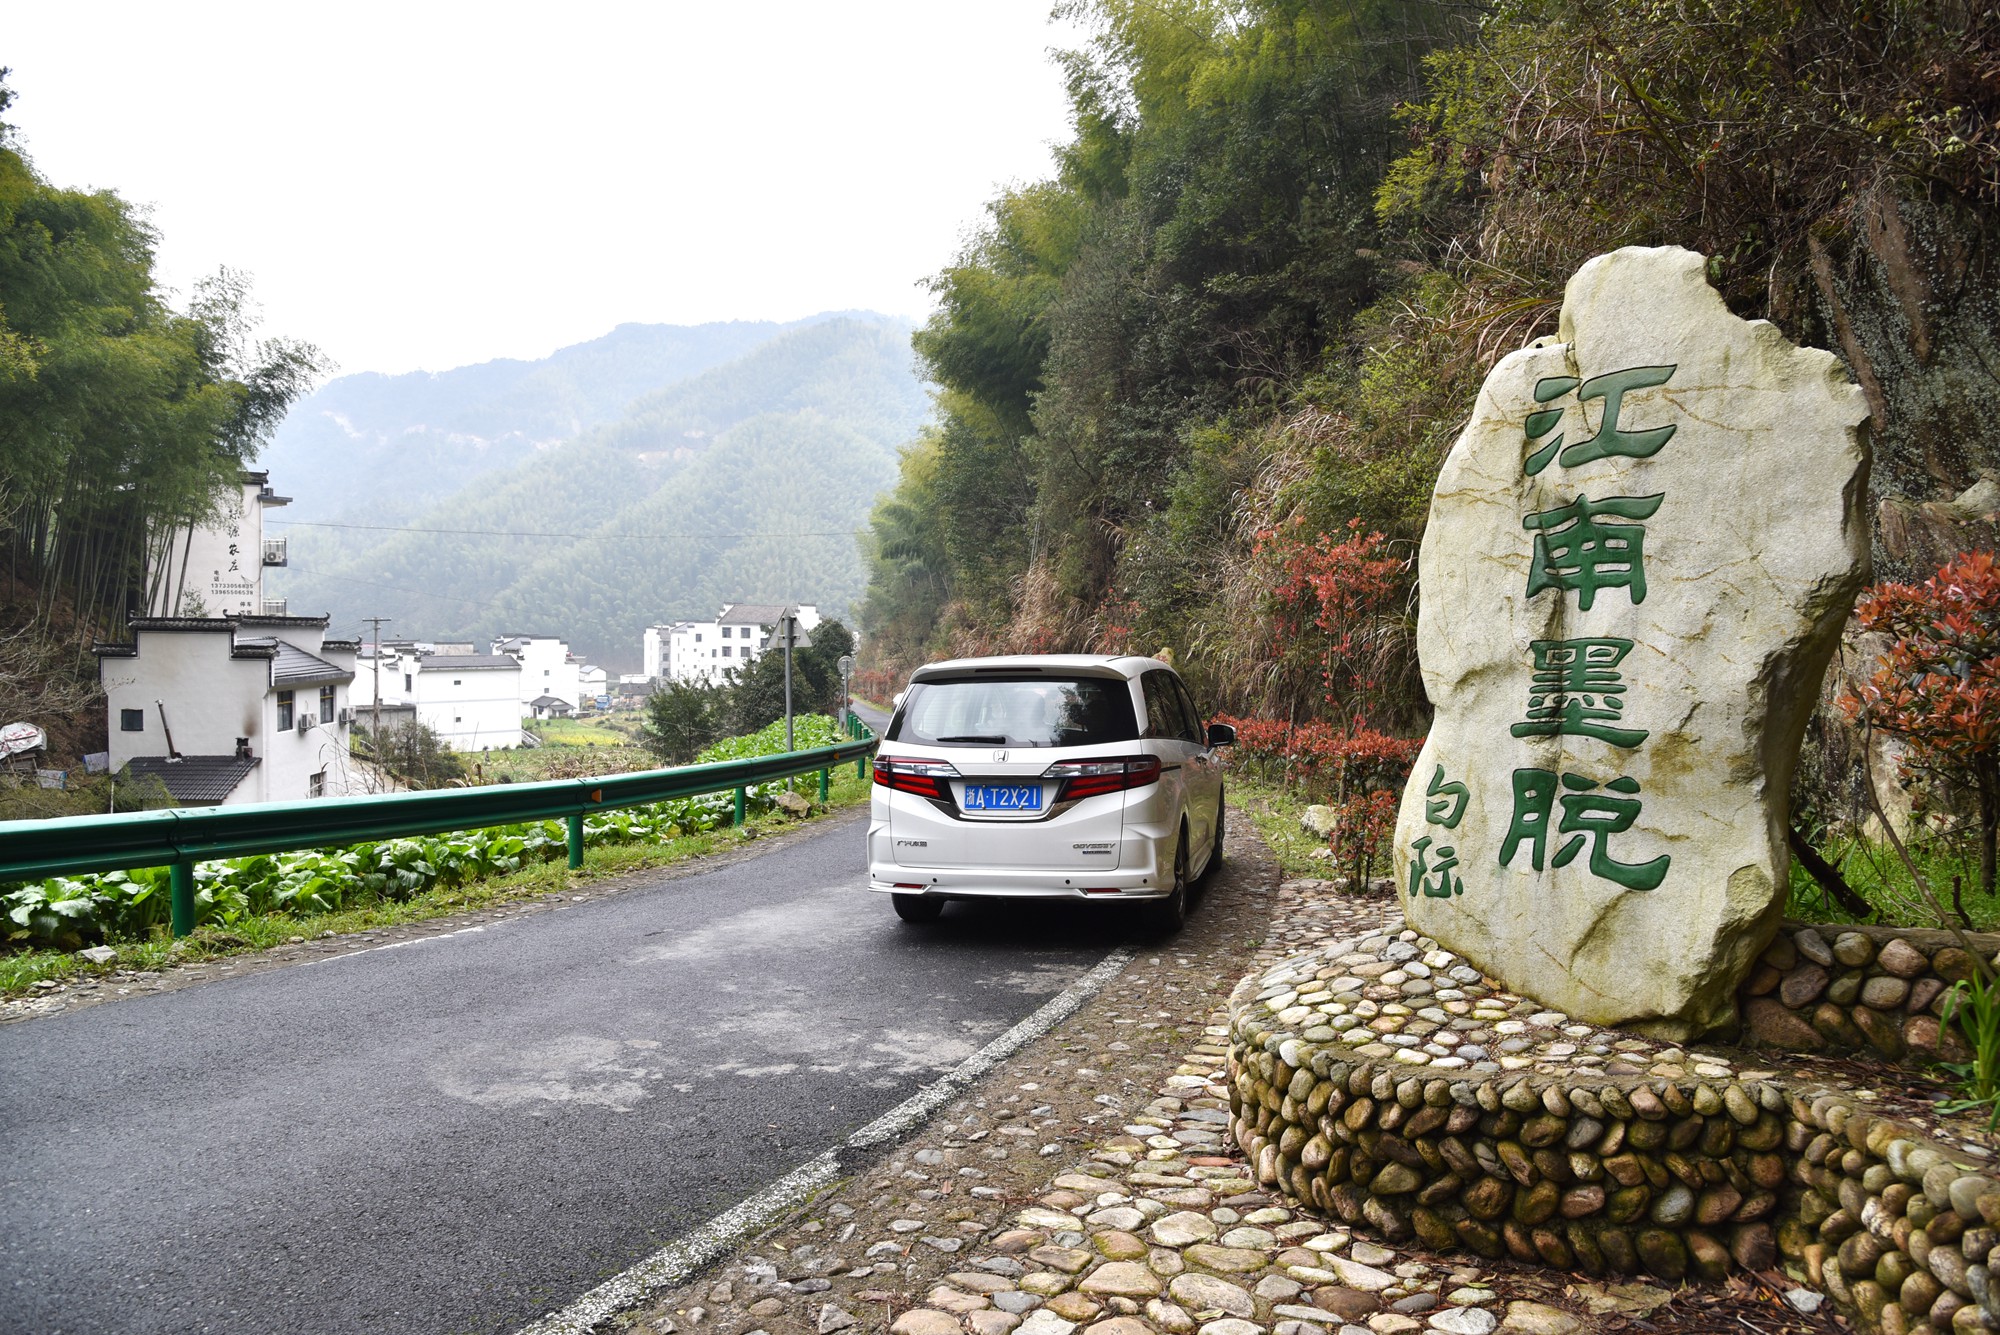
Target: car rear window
x=1037 y=710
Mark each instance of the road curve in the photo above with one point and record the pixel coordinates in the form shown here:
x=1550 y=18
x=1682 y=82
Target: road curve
x=464 y=1132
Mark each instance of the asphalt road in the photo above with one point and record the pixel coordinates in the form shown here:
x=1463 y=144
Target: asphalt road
x=465 y=1132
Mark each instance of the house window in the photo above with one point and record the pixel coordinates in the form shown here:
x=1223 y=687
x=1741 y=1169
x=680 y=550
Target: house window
x=725 y=632
x=326 y=704
x=406 y=682
x=697 y=637
x=457 y=681
x=545 y=672
x=456 y=719
x=131 y=720
x=725 y=651
x=284 y=711
x=316 y=785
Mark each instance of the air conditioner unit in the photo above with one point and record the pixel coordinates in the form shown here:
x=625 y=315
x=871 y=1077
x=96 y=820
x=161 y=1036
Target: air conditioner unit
x=346 y=717
x=305 y=723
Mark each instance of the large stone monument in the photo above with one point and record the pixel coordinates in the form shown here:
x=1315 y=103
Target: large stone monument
x=1639 y=558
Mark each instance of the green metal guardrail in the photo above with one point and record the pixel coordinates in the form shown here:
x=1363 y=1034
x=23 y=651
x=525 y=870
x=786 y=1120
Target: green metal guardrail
x=179 y=837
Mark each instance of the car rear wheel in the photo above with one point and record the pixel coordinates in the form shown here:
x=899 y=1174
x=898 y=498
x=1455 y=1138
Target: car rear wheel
x=1169 y=915
x=917 y=908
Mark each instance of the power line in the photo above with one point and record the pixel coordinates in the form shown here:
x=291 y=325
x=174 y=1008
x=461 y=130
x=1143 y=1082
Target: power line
x=395 y=588
x=500 y=533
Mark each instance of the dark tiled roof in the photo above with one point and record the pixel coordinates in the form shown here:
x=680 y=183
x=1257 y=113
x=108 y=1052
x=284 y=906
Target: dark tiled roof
x=753 y=614
x=246 y=619
x=196 y=780
x=469 y=661
x=341 y=646
x=116 y=650
x=548 y=702
x=297 y=667
x=138 y=624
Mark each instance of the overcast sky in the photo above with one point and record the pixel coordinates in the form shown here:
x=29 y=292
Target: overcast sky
x=427 y=184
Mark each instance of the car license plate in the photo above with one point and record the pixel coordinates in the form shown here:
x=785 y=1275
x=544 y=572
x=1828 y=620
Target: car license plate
x=1003 y=797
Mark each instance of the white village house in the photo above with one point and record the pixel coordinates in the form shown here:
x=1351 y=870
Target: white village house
x=548 y=668
x=227 y=710
x=219 y=694
x=217 y=569
x=471 y=701
x=703 y=651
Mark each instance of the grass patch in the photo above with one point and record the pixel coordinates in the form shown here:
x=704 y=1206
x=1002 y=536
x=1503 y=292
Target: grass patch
x=1275 y=811
x=582 y=732
x=557 y=762
x=1880 y=877
x=20 y=972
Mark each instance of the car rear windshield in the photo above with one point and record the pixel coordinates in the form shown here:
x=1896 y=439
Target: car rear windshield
x=1035 y=710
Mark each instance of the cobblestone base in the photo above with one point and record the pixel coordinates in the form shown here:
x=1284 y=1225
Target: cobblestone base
x=1385 y=1081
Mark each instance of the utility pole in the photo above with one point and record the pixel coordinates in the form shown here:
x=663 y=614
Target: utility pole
x=375 y=727
x=787 y=623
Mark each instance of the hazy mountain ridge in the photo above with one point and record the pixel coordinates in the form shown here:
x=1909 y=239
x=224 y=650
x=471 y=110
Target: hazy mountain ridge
x=747 y=479
x=432 y=431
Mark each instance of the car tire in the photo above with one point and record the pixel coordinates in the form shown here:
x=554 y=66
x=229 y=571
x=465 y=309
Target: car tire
x=917 y=908
x=1169 y=915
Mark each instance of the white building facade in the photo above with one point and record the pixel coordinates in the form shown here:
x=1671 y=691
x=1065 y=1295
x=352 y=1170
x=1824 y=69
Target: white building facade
x=217 y=569
x=471 y=701
x=547 y=668
x=230 y=710
x=704 y=652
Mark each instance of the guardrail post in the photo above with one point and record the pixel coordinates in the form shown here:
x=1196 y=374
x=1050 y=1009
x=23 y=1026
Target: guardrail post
x=822 y=787
x=180 y=896
x=740 y=800
x=576 y=841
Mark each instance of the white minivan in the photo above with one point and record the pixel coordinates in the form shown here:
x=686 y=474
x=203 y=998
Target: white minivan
x=1072 y=776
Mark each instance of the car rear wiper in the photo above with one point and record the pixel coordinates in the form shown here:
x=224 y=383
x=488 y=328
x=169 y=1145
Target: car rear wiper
x=977 y=737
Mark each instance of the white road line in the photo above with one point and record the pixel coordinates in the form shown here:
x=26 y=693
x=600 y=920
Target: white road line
x=678 y=1260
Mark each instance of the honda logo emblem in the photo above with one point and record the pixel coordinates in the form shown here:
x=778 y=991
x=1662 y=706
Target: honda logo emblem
x=999 y=757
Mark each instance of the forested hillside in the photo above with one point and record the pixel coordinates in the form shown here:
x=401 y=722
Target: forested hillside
x=748 y=480
x=1196 y=388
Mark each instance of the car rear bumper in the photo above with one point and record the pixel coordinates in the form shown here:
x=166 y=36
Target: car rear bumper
x=1139 y=874
x=973 y=883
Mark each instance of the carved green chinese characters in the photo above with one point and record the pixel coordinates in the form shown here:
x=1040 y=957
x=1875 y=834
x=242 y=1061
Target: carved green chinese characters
x=1438 y=879
x=1590 y=545
x=1577 y=691
x=1590 y=816
x=1639 y=555
x=1444 y=807
x=1446 y=801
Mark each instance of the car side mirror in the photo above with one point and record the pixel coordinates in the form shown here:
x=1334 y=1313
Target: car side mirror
x=1221 y=734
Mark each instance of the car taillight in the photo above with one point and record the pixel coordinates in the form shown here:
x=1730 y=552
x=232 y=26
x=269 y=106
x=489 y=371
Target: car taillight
x=1092 y=778
x=925 y=778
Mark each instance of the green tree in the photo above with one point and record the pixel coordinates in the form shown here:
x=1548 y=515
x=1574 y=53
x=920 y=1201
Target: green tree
x=414 y=754
x=681 y=719
x=120 y=418
x=757 y=693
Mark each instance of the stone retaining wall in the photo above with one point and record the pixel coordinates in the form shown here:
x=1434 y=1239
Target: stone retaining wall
x=1895 y=1227
x=1385 y=1082
x=1870 y=989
